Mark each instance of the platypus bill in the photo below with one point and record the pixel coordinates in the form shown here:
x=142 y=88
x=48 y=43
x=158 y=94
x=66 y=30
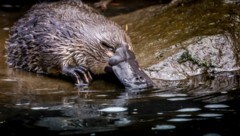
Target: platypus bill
x=70 y=38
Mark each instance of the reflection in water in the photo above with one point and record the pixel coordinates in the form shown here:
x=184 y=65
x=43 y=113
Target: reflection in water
x=50 y=105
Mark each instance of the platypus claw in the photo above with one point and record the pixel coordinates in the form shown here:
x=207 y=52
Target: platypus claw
x=81 y=85
x=80 y=74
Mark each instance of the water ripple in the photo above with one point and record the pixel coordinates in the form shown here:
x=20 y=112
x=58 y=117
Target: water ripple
x=113 y=109
x=163 y=127
x=214 y=106
x=189 y=109
x=210 y=115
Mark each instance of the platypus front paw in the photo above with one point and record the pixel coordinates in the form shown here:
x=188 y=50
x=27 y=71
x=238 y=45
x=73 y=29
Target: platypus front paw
x=80 y=74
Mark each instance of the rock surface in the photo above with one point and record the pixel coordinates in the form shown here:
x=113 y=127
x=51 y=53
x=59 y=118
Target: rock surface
x=185 y=38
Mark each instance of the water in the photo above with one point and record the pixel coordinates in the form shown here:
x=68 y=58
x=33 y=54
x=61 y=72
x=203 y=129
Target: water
x=205 y=105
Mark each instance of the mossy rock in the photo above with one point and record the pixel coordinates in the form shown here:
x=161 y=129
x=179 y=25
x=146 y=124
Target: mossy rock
x=162 y=32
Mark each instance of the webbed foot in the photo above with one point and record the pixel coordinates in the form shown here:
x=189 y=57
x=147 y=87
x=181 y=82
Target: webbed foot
x=80 y=74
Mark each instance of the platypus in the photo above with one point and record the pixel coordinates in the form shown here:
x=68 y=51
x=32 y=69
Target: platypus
x=71 y=38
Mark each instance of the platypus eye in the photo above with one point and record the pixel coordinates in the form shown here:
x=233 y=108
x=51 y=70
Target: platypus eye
x=107 y=46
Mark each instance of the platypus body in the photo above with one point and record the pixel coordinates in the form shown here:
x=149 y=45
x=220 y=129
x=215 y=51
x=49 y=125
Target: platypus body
x=70 y=38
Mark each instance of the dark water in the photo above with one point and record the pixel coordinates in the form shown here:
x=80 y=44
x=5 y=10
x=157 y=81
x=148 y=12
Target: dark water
x=205 y=105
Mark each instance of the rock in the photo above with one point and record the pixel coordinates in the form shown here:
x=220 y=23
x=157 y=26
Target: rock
x=232 y=1
x=185 y=38
x=207 y=53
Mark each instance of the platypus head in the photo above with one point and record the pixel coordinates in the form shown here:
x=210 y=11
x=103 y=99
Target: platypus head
x=127 y=70
x=108 y=46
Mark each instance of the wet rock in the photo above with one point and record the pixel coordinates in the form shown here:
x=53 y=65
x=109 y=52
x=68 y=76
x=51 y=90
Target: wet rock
x=204 y=53
x=185 y=38
x=232 y=1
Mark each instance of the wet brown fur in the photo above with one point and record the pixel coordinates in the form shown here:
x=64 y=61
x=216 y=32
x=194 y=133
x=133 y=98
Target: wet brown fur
x=63 y=34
